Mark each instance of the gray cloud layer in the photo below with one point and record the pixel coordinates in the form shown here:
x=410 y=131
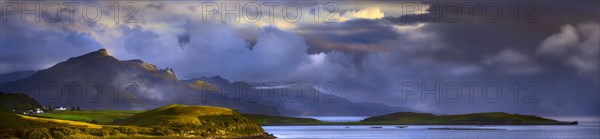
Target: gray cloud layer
x=368 y=58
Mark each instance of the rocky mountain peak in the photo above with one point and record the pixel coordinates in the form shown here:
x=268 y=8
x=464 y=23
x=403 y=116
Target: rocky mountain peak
x=102 y=53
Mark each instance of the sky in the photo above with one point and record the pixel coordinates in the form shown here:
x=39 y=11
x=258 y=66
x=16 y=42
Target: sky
x=399 y=53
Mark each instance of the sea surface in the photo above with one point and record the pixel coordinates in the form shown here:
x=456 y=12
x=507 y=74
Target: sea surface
x=337 y=118
x=587 y=131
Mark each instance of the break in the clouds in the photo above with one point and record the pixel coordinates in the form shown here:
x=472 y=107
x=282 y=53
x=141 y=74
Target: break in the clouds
x=369 y=51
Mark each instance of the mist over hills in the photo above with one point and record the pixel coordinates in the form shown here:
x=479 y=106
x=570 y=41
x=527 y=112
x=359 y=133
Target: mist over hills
x=97 y=80
x=294 y=99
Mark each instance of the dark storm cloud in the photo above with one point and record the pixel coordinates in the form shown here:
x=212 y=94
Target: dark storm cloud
x=368 y=58
x=360 y=35
x=184 y=40
x=502 y=51
x=466 y=41
x=28 y=46
x=476 y=41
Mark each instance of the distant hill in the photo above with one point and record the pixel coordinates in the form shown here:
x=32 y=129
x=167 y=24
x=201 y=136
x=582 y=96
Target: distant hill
x=282 y=120
x=491 y=118
x=198 y=120
x=412 y=118
x=13 y=76
x=16 y=101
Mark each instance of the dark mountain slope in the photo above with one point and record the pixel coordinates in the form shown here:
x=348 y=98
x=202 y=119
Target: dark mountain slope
x=97 y=80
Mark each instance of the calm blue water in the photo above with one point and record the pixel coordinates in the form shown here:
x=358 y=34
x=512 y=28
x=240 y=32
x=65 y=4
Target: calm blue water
x=422 y=132
x=337 y=118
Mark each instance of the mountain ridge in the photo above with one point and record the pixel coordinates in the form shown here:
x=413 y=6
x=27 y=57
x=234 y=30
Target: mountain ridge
x=108 y=83
x=97 y=80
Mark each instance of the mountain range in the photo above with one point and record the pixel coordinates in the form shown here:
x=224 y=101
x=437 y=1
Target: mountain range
x=97 y=80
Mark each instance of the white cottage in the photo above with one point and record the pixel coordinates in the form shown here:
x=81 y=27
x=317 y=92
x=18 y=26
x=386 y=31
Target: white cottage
x=60 y=108
x=38 y=111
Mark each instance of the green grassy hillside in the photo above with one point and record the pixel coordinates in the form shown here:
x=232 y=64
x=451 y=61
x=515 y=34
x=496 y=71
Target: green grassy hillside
x=172 y=121
x=22 y=126
x=491 y=118
x=92 y=116
x=196 y=121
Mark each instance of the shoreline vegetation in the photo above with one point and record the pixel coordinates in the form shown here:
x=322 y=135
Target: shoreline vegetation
x=190 y=121
x=401 y=118
x=214 y=122
x=411 y=118
x=171 y=121
x=175 y=126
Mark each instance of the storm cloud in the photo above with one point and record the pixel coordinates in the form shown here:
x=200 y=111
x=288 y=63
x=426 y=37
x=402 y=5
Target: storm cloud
x=370 y=53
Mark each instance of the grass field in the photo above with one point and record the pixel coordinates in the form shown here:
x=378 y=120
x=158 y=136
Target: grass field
x=23 y=126
x=92 y=116
x=59 y=121
x=172 y=121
